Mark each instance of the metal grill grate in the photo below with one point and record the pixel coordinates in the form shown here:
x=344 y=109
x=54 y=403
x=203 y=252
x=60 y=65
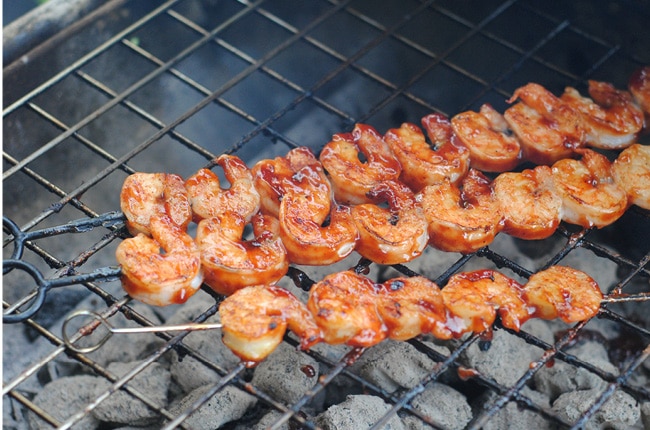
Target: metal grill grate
x=170 y=88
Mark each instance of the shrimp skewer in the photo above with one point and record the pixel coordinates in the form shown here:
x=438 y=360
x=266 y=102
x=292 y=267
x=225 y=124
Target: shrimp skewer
x=529 y=203
x=588 y=192
x=547 y=127
x=631 y=172
x=208 y=199
x=394 y=235
x=153 y=277
x=462 y=220
x=422 y=164
x=350 y=178
x=412 y=306
x=611 y=119
x=145 y=195
x=231 y=263
x=486 y=136
x=474 y=298
x=256 y=318
x=344 y=306
x=348 y=308
x=563 y=292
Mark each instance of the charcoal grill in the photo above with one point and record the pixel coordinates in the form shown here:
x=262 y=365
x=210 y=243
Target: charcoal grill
x=168 y=86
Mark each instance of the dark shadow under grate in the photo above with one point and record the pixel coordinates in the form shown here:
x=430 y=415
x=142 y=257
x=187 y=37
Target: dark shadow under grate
x=170 y=88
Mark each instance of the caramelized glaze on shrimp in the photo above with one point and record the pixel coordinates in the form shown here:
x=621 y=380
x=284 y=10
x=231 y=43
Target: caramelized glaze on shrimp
x=422 y=164
x=299 y=172
x=563 y=292
x=487 y=137
x=156 y=278
x=462 y=220
x=611 y=119
x=308 y=241
x=639 y=86
x=631 y=172
x=298 y=189
x=145 y=195
x=474 y=298
x=394 y=235
x=256 y=318
x=412 y=306
x=351 y=179
x=547 y=127
x=231 y=263
x=344 y=306
x=208 y=199
x=529 y=203
x=589 y=195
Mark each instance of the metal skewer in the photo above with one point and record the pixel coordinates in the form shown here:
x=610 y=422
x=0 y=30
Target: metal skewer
x=98 y=320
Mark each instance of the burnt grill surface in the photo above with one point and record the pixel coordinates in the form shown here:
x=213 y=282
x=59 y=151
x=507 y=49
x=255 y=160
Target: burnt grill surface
x=148 y=86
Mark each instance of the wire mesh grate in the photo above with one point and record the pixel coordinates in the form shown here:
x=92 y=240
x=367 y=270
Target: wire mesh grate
x=168 y=89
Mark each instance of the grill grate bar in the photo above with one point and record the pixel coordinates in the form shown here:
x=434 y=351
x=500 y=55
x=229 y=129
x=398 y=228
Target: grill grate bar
x=611 y=388
x=126 y=93
x=87 y=58
x=574 y=240
x=419 y=75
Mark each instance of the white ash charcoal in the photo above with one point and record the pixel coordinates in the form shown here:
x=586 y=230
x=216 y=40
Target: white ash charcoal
x=188 y=372
x=286 y=374
x=392 y=365
x=227 y=405
x=268 y=420
x=445 y=406
x=121 y=407
x=63 y=398
x=540 y=329
x=506 y=360
x=512 y=416
x=620 y=411
x=645 y=415
x=562 y=378
x=358 y=412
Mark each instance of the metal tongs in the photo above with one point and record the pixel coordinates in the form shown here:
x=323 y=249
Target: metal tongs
x=36 y=298
x=98 y=320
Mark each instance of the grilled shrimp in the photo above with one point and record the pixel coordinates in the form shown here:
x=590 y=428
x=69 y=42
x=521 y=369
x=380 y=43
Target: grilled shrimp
x=461 y=220
x=256 y=318
x=474 y=298
x=547 y=127
x=344 y=306
x=298 y=172
x=145 y=195
x=309 y=242
x=208 y=199
x=298 y=189
x=487 y=137
x=394 y=235
x=231 y=263
x=589 y=195
x=612 y=119
x=157 y=278
x=631 y=172
x=529 y=203
x=563 y=292
x=351 y=179
x=422 y=164
x=639 y=86
x=412 y=306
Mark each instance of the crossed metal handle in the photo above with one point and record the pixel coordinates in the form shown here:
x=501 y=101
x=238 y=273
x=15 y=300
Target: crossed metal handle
x=14 y=313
